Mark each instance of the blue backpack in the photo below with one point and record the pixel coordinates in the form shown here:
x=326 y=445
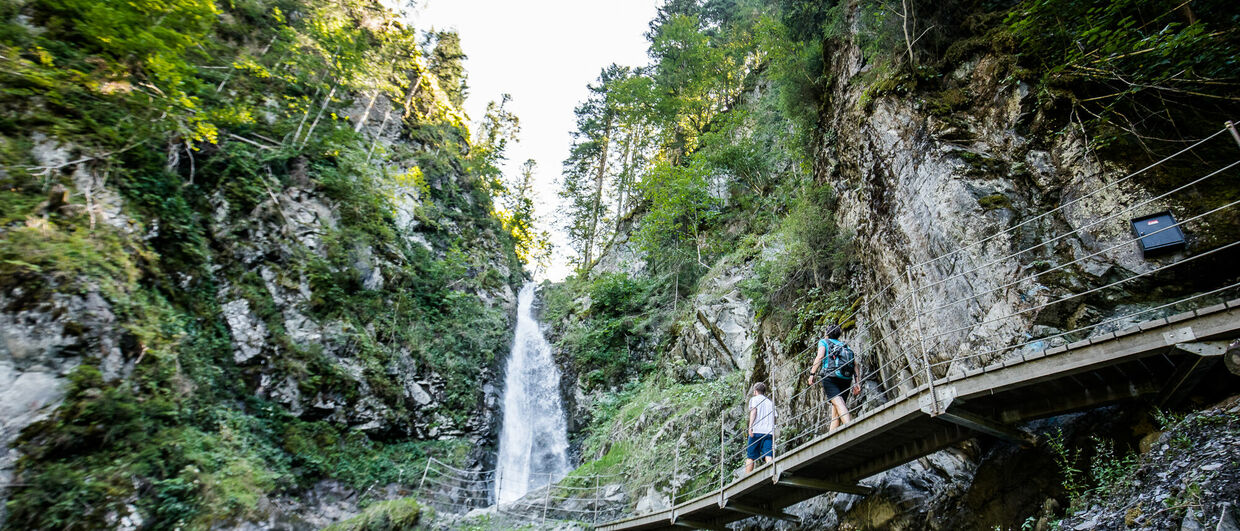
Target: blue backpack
x=839 y=360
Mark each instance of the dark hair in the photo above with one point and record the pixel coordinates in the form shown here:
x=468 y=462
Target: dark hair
x=760 y=388
x=833 y=331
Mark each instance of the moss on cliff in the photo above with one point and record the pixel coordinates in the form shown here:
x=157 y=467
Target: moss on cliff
x=190 y=136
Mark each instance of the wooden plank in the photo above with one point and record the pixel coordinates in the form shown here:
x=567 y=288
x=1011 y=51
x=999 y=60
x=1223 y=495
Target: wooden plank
x=1101 y=338
x=1181 y=317
x=812 y=451
x=1150 y=325
x=1213 y=308
x=1127 y=331
x=1056 y=350
x=1223 y=325
x=1233 y=304
x=948 y=434
x=1075 y=345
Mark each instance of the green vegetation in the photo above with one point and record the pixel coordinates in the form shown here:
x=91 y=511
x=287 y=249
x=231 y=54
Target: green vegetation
x=394 y=515
x=605 y=337
x=215 y=123
x=1107 y=472
x=1135 y=69
x=650 y=427
x=720 y=160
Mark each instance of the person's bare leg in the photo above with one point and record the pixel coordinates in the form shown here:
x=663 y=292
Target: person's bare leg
x=835 y=417
x=748 y=466
x=842 y=409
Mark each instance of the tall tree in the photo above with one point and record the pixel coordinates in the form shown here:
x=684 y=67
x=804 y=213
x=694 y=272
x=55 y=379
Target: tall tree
x=519 y=219
x=447 y=62
x=611 y=141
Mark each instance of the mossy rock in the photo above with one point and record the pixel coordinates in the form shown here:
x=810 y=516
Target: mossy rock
x=948 y=101
x=405 y=513
x=994 y=202
x=982 y=166
x=965 y=49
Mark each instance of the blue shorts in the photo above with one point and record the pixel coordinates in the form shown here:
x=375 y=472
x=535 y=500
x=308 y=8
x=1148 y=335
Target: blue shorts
x=759 y=446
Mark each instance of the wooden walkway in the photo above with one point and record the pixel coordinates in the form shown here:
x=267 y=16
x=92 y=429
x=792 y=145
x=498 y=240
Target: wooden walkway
x=1155 y=359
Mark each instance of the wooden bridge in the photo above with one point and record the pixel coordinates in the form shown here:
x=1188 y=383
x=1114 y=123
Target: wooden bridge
x=1156 y=359
x=923 y=412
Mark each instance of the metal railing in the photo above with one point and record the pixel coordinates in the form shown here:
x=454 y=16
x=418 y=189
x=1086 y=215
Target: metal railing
x=919 y=349
x=915 y=360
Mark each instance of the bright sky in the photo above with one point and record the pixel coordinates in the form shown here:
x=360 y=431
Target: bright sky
x=543 y=53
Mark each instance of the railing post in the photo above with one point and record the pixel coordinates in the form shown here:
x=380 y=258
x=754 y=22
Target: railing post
x=598 y=501
x=1232 y=127
x=921 y=338
x=774 y=411
x=428 y=469
x=675 y=471
x=721 y=459
x=547 y=498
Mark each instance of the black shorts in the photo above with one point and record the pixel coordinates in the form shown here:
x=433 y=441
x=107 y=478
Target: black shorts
x=835 y=386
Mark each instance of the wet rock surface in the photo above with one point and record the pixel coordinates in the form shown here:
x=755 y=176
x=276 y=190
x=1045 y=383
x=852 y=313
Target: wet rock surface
x=1189 y=479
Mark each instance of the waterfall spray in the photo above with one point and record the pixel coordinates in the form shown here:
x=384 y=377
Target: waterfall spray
x=533 y=444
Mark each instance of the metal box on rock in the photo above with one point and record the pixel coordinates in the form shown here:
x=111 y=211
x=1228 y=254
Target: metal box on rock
x=1155 y=236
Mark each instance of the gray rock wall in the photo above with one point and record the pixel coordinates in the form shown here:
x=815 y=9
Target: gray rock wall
x=913 y=188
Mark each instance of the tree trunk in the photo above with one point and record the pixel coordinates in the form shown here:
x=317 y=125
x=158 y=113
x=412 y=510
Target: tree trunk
x=1187 y=11
x=908 y=41
x=598 y=191
x=622 y=183
x=361 y=121
x=315 y=123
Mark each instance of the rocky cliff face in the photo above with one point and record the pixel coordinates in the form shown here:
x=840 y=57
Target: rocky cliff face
x=269 y=325
x=942 y=185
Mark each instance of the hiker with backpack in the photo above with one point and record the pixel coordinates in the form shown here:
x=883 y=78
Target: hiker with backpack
x=835 y=365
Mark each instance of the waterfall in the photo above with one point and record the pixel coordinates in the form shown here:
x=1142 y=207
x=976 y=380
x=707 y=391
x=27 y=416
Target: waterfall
x=533 y=444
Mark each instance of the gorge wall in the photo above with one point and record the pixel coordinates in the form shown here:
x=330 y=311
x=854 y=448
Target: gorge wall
x=251 y=271
x=937 y=174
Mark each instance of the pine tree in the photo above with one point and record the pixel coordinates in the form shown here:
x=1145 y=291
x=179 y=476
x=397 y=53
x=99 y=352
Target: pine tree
x=447 y=62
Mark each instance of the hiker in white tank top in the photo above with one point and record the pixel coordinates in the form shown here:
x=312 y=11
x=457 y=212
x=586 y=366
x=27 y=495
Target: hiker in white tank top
x=761 y=428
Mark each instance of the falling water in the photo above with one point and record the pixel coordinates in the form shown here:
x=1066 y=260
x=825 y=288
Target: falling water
x=533 y=442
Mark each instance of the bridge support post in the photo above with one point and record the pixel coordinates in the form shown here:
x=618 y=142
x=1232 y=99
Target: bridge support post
x=1232 y=359
x=774 y=410
x=825 y=486
x=989 y=427
x=1206 y=356
x=761 y=511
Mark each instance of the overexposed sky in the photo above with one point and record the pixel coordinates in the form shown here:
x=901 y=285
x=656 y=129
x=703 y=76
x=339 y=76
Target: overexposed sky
x=543 y=53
